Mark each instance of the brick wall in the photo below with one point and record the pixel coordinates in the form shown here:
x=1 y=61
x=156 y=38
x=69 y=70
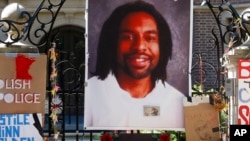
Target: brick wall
x=203 y=24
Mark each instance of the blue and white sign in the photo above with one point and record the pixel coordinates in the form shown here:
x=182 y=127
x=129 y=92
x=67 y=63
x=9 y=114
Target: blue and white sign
x=21 y=127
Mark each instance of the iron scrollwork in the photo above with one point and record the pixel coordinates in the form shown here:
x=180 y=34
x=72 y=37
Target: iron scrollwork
x=231 y=24
x=232 y=30
x=36 y=29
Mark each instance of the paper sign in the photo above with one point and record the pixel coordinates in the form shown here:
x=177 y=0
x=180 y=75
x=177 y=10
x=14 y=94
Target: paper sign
x=21 y=127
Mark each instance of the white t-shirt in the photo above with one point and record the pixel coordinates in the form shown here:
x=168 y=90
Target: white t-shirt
x=107 y=106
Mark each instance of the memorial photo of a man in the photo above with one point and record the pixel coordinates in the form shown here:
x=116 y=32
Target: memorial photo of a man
x=128 y=88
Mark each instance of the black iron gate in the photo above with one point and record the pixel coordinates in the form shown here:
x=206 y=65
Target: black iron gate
x=69 y=45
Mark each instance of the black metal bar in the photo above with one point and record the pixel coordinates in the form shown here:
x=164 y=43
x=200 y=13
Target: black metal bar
x=91 y=136
x=50 y=122
x=77 y=114
x=63 y=117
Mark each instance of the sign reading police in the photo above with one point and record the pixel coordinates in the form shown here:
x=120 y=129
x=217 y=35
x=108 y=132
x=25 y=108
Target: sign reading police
x=18 y=97
x=22 y=83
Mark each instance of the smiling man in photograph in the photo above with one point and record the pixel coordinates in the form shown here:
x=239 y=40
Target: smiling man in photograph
x=129 y=88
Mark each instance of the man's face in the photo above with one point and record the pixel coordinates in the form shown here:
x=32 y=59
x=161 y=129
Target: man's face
x=138 y=45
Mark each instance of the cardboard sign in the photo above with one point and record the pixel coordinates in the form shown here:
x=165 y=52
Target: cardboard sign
x=201 y=120
x=22 y=83
x=21 y=127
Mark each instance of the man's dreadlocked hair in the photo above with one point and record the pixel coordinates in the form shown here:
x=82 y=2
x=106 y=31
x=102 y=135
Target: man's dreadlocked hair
x=107 y=46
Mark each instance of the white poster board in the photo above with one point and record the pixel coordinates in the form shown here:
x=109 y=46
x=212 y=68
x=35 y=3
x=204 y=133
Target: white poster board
x=21 y=127
x=244 y=92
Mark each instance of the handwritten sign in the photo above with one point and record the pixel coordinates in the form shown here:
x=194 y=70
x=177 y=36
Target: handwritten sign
x=201 y=120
